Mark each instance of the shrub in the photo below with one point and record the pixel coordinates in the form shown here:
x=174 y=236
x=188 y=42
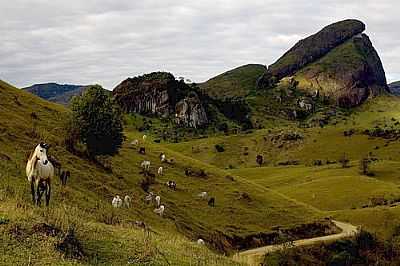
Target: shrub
x=219 y=147
x=96 y=122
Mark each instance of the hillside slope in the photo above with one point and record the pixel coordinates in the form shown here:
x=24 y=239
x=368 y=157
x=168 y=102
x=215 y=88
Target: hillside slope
x=395 y=87
x=238 y=82
x=106 y=234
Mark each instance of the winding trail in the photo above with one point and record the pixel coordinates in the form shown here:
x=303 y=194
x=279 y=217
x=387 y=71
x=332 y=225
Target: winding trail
x=255 y=256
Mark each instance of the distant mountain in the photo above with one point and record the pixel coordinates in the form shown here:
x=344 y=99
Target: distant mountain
x=395 y=88
x=338 y=62
x=58 y=93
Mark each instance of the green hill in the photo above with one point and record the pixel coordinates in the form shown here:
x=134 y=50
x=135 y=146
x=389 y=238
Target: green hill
x=238 y=82
x=106 y=234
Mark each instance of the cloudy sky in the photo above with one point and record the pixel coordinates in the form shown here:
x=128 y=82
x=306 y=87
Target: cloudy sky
x=105 y=41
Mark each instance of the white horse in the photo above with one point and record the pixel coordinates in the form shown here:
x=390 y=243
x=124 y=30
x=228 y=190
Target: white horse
x=39 y=172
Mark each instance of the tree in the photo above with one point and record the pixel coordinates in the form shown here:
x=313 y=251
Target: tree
x=96 y=122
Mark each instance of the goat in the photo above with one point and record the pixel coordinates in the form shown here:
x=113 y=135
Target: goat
x=160 y=171
x=160 y=210
x=127 y=201
x=64 y=177
x=171 y=184
x=117 y=202
x=158 y=201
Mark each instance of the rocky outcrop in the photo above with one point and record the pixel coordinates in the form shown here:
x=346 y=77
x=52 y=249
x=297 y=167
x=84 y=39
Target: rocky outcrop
x=160 y=94
x=190 y=112
x=338 y=62
x=314 y=47
x=348 y=75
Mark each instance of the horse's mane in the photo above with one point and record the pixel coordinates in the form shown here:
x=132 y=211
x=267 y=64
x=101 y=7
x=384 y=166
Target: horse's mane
x=30 y=155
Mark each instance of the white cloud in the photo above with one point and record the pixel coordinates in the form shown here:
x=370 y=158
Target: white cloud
x=84 y=42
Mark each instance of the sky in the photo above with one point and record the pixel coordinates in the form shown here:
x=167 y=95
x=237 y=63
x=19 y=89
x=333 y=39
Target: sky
x=105 y=41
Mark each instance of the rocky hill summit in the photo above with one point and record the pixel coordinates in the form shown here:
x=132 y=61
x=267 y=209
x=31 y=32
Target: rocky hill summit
x=160 y=94
x=338 y=62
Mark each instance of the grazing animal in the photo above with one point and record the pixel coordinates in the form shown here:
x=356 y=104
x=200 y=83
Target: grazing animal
x=203 y=195
x=145 y=165
x=211 y=202
x=39 y=172
x=64 y=177
x=144 y=137
x=117 y=202
x=162 y=157
x=200 y=241
x=56 y=164
x=142 y=150
x=160 y=210
x=149 y=197
x=127 y=201
x=171 y=184
x=158 y=201
x=259 y=160
x=160 y=171
x=135 y=142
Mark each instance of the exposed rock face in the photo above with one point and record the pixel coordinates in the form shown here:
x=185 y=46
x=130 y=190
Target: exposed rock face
x=314 y=47
x=160 y=94
x=338 y=62
x=190 y=111
x=348 y=75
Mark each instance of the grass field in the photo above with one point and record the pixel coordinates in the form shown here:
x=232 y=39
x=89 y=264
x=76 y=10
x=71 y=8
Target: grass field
x=107 y=234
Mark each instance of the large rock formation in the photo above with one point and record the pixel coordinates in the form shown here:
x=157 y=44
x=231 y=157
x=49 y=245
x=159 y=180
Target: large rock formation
x=160 y=94
x=339 y=62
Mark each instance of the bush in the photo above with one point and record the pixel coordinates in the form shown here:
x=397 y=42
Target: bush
x=219 y=147
x=96 y=122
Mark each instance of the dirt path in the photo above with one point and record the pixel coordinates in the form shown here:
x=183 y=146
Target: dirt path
x=255 y=256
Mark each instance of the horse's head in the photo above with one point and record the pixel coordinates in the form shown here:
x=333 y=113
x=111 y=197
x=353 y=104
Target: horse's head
x=40 y=153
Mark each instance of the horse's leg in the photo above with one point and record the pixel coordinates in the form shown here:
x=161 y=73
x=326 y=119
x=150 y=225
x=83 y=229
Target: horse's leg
x=48 y=192
x=39 y=194
x=33 y=191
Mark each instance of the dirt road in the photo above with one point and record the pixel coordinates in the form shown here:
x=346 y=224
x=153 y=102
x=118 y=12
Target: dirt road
x=255 y=256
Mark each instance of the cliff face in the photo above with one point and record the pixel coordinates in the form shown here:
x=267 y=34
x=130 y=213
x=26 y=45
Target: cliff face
x=160 y=94
x=338 y=62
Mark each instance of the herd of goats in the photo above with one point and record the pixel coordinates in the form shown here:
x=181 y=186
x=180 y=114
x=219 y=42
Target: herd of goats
x=40 y=170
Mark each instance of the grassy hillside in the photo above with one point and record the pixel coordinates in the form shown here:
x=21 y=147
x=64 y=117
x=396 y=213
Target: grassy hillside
x=238 y=82
x=107 y=234
x=340 y=192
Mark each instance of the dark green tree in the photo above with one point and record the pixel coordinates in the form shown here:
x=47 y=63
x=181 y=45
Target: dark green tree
x=96 y=122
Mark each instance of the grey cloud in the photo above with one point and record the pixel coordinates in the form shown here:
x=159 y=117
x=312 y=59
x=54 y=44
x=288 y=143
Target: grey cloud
x=85 y=42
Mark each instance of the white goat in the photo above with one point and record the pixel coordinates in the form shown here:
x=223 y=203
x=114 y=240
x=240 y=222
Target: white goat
x=135 y=142
x=127 y=201
x=144 y=137
x=200 y=241
x=149 y=197
x=160 y=171
x=162 y=157
x=160 y=210
x=117 y=202
x=203 y=195
x=145 y=165
x=158 y=201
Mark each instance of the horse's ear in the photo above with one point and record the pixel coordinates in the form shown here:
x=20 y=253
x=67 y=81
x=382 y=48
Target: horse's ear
x=42 y=144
